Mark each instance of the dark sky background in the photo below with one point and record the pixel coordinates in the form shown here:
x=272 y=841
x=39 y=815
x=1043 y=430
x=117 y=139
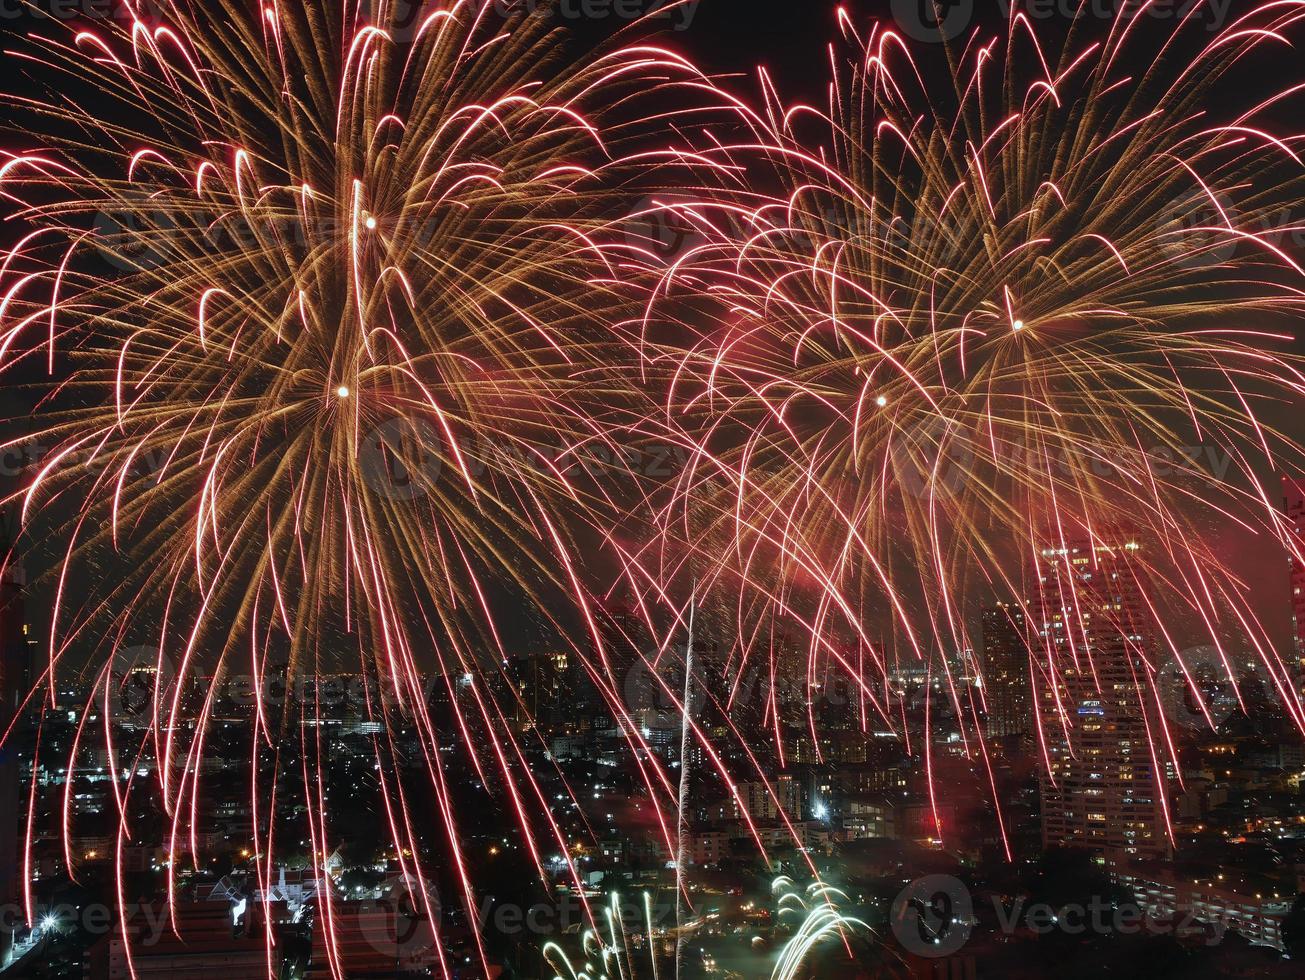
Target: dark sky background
x=787 y=36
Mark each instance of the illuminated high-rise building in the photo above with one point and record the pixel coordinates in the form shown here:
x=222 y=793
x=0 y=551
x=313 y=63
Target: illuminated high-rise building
x=15 y=682
x=1006 y=671
x=1294 y=507
x=1104 y=784
x=542 y=683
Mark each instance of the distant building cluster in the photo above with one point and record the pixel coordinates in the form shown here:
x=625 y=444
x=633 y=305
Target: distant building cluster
x=1208 y=828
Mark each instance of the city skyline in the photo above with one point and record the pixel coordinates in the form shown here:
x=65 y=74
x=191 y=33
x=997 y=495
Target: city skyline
x=652 y=490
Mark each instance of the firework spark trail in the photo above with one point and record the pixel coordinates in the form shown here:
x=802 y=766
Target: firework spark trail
x=966 y=317
x=323 y=224
x=821 y=921
x=979 y=306
x=682 y=817
x=817 y=909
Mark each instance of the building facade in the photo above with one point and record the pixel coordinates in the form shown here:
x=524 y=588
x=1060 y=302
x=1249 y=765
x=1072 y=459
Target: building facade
x=1006 y=671
x=1294 y=507
x=1220 y=901
x=15 y=683
x=1104 y=784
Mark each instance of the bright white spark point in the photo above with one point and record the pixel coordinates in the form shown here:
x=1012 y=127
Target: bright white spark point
x=370 y=223
x=1018 y=324
x=882 y=401
x=342 y=391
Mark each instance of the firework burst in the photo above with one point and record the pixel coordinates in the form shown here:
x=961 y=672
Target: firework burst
x=947 y=336
x=323 y=337
x=961 y=325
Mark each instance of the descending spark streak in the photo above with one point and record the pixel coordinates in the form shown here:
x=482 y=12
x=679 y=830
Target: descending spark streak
x=960 y=322
x=326 y=288
x=682 y=818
